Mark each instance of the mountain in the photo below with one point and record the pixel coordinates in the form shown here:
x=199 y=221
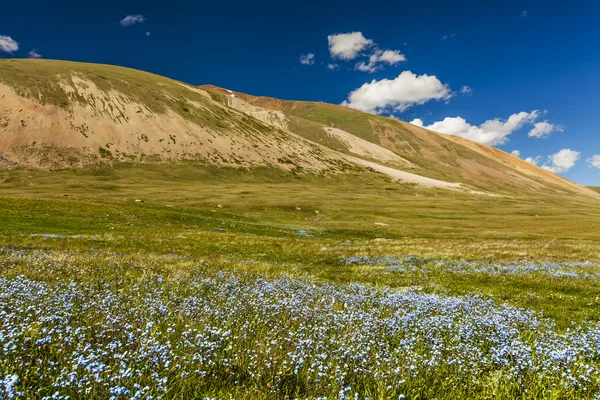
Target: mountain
x=431 y=154
x=59 y=114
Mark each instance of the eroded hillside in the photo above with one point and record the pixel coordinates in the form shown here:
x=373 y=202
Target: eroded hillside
x=57 y=114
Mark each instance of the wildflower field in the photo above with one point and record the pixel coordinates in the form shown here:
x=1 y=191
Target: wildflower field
x=252 y=286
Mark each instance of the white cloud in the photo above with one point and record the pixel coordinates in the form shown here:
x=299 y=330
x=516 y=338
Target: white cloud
x=492 y=132
x=534 y=160
x=332 y=66
x=148 y=33
x=516 y=153
x=466 y=90
x=132 y=19
x=391 y=57
x=444 y=38
x=8 y=44
x=543 y=129
x=347 y=46
x=562 y=161
x=594 y=161
x=307 y=59
x=34 y=54
x=400 y=93
x=524 y=13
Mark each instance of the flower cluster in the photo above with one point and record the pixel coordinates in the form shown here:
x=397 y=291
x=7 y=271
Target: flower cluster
x=216 y=332
x=584 y=270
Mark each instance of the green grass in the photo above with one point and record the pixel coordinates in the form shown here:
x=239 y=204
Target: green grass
x=135 y=232
x=228 y=214
x=314 y=132
x=596 y=188
x=349 y=120
x=84 y=225
x=156 y=317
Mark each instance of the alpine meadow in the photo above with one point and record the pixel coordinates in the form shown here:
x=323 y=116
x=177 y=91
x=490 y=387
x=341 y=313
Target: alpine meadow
x=164 y=240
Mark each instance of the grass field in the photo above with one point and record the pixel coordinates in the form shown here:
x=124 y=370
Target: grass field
x=223 y=283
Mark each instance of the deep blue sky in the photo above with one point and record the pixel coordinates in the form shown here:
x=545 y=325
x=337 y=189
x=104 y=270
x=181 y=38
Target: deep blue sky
x=548 y=59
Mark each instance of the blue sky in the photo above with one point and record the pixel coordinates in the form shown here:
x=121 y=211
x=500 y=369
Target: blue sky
x=538 y=61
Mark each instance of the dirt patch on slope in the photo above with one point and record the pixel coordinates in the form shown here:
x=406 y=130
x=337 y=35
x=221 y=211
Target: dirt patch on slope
x=367 y=149
x=276 y=119
x=407 y=176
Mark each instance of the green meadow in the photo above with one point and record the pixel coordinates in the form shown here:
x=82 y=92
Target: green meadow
x=114 y=228
x=307 y=225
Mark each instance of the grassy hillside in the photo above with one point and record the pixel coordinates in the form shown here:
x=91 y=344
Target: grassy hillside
x=58 y=114
x=596 y=188
x=45 y=81
x=434 y=155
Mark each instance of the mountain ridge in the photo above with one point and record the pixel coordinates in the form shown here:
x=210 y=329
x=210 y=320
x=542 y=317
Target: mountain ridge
x=60 y=114
x=318 y=112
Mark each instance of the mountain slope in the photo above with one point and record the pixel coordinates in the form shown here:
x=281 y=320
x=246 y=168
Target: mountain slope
x=58 y=114
x=431 y=154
